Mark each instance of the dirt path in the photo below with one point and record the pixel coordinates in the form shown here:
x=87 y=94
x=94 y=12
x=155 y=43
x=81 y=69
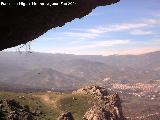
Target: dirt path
x=46 y=99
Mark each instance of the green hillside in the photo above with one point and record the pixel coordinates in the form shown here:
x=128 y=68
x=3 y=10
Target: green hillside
x=49 y=105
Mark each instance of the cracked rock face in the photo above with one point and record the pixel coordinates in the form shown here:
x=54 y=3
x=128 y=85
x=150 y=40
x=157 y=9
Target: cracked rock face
x=20 y=25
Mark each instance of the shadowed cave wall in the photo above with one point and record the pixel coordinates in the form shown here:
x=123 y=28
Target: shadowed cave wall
x=19 y=25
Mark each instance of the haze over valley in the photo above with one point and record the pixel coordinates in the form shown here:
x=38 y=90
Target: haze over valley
x=57 y=71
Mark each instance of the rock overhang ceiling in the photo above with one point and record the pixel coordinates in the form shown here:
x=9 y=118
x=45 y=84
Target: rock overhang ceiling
x=20 y=24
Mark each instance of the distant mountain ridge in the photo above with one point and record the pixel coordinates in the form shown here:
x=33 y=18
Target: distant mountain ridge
x=47 y=78
x=67 y=70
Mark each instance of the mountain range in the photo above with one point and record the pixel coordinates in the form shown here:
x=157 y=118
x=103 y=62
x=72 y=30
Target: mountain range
x=54 y=71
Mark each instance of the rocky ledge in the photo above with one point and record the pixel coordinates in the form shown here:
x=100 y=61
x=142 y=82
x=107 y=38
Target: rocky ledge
x=106 y=107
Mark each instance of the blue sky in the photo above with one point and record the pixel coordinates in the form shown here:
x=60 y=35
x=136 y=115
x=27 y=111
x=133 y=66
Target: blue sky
x=128 y=27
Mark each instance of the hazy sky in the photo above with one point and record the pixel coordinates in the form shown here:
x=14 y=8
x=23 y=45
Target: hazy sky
x=128 y=27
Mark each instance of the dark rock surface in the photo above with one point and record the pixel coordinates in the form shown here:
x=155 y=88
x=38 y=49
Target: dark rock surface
x=12 y=110
x=20 y=25
x=66 y=116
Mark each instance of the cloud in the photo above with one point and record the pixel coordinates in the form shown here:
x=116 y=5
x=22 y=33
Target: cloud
x=138 y=51
x=131 y=51
x=156 y=41
x=125 y=26
x=117 y=27
x=155 y=21
x=81 y=35
x=110 y=47
x=141 y=32
x=87 y=47
x=95 y=32
x=98 y=44
x=134 y=28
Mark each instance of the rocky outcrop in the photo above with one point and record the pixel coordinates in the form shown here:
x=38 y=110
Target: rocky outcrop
x=114 y=103
x=92 y=90
x=106 y=107
x=21 y=24
x=66 y=116
x=12 y=110
x=97 y=113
